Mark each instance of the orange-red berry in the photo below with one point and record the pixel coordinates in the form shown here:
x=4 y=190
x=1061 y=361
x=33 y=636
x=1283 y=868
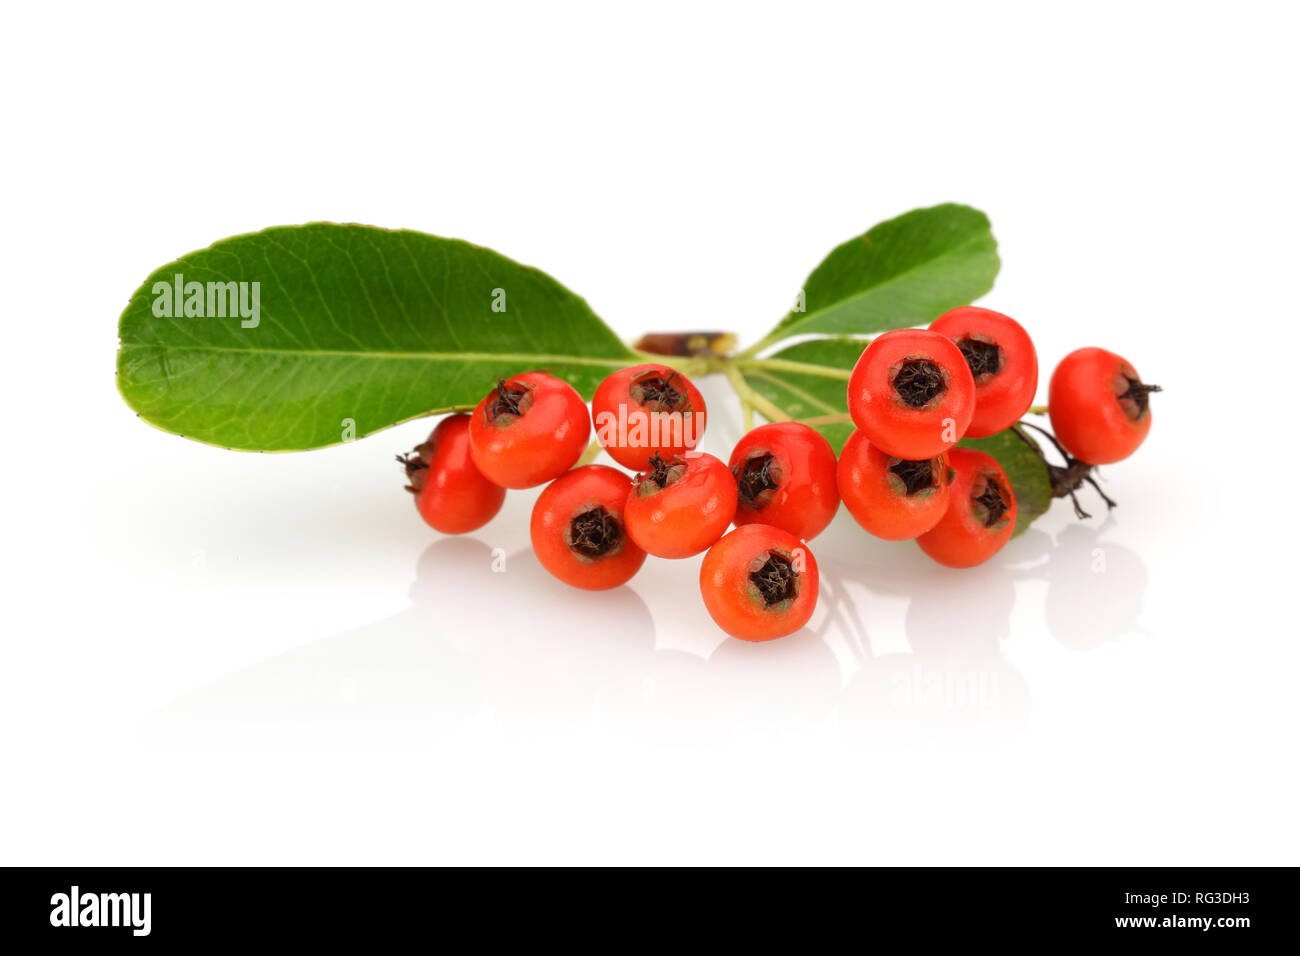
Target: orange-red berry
x=911 y=393
x=528 y=430
x=451 y=494
x=981 y=515
x=579 y=530
x=1002 y=360
x=1099 y=405
x=785 y=477
x=893 y=498
x=759 y=583
x=679 y=508
x=648 y=410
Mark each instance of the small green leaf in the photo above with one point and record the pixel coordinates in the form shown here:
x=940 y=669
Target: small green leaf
x=819 y=388
x=355 y=324
x=904 y=272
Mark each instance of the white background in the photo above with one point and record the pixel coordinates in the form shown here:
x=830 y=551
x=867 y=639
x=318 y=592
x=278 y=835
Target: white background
x=213 y=657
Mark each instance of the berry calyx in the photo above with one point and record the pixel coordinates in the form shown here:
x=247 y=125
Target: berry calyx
x=892 y=498
x=679 y=508
x=918 y=382
x=648 y=410
x=594 y=533
x=511 y=399
x=1002 y=361
x=775 y=580
x=981 y=513
x=578 y=529
x=1099 y=406
x=759 y=583
x=916 y=476
x=450 y=492
x=755 y=481
x=528 y=430
x=785 y=477
x=912 y=393
x=991 y=501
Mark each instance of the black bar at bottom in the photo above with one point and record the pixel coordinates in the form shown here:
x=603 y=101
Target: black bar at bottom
x=378 y=906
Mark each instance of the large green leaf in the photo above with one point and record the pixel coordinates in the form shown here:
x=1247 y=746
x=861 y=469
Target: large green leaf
x=357 y=323
x=907 y=271
x=818 y=387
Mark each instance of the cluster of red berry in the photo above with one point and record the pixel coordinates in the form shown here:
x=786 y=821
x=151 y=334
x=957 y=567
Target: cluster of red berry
x=913 y=395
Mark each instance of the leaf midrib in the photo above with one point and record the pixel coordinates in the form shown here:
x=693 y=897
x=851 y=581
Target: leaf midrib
x=614 y=361
x=878 y=286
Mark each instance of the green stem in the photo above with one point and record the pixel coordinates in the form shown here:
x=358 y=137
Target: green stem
x=800 y=368
x=843 y=418
x=769 y=409
x=1037 y=409
x=590 y=454
x=694 y=366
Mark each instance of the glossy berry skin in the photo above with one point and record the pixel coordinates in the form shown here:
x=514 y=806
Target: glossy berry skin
x=892 y=498
x=648 y=410
x=981 y=513
x=1003 y=363
x=579 y=530
x=451 y=494
x=785 y=476
x=912 y=394
x=528 y=430
x=759 y=583
x=1099 y=407
x=679 y=508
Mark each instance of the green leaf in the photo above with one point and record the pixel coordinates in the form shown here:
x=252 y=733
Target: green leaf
x=907 y=271
x=820 y=388
x=354 y=323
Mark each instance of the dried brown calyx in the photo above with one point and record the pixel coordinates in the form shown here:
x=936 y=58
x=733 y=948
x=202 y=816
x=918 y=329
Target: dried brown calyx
x=775 y=580
x=594 y=533
x=511 y=401
x=1135 y=399
x=416 y=465
x=916 y=476
x=656 y=392
x=919 y=382
x=984 y=358
x=754 y=478
x=993 y=500
x=660 y=474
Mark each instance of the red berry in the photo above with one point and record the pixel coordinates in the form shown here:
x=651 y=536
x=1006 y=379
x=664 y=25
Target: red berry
x=451 y=494
x=1099 y=406
x=785 y=475
x=1002 y=360
x=578 y=529
x=528 y=430
x=912 y=394
x=759 y=583
x=647 y=410
x=893 y=498
x=679 y=508
x=981 y=512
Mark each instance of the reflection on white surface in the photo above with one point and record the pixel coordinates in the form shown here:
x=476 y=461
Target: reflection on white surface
x=898 y=647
